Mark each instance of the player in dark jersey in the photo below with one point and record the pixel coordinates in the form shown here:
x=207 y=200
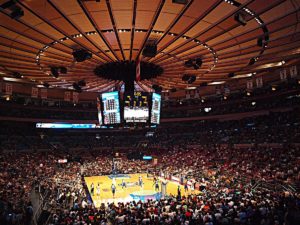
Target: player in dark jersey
x=113 y=190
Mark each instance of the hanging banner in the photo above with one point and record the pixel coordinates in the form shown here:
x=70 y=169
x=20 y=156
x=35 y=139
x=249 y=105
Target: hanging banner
x=8 y=89
x=249 y=84
x=75 y=97
x=34 y=92
x=259 y=82
x=67 y=96
x=283 y=74
x=187 y=95
x=293 y=71
x=44 y=93
x=197 y=94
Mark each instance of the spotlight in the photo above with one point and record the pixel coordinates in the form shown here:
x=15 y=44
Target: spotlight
x=183 y=2
x=273 y=88
x=54 y=72
x=248 y=93
x=240 y=18
x=252 y=61
x=231 y=75
x=63 y=70
x=81 y=55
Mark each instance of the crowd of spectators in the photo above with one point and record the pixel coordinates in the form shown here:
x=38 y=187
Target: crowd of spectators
x=247 y=170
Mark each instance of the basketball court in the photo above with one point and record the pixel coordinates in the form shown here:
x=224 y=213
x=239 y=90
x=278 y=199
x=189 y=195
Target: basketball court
x=132 y=191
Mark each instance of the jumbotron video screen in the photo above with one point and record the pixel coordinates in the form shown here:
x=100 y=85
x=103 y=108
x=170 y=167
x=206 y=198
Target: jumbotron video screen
x=155 y=110
x=136 y=107
x=111 y=108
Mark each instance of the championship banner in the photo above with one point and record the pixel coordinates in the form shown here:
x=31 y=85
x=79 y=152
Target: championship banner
x=249 y=84
x=44 y=93
x=283 y=74
x=75 y=97
x=8 y=89
x=293 y=71
x=34 y=92
x=259 y=82
x=67 y=96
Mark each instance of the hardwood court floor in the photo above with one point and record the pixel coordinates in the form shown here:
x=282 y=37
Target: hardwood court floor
x=123 y=194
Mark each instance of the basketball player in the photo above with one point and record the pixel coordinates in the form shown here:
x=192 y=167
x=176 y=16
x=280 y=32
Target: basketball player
x=154 y=179
x=140 y=181
x=179 y=191
x=186 y=188
x=98 y=189
x=113 y=190
x=92 y=188
x=123 y=184
x=156 y=185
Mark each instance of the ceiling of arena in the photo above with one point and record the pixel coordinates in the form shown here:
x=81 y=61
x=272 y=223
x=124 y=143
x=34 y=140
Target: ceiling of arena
x=116 y=30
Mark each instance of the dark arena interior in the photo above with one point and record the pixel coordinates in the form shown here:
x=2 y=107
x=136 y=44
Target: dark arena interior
x=150 y=112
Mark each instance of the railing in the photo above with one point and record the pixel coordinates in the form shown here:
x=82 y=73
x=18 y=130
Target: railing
x=40 y=207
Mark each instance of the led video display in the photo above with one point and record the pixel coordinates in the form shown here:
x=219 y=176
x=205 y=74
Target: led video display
x=155 y=111
x=99 y=111
x=136 y=107
x=111 y=108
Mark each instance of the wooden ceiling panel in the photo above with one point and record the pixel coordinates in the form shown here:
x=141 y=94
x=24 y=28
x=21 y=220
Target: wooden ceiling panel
x=116 y=35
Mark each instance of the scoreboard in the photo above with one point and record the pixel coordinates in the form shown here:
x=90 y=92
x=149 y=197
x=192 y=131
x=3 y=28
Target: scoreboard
x=136 y=107
x=111 y=108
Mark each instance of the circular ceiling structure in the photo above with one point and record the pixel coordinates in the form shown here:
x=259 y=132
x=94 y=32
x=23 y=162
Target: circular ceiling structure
x=227 y=36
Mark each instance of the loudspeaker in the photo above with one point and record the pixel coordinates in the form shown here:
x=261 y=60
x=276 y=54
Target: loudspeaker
x=185 y=77
x=150 y=50
x=189 y=63
x=81 y=55
x=239 y=17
